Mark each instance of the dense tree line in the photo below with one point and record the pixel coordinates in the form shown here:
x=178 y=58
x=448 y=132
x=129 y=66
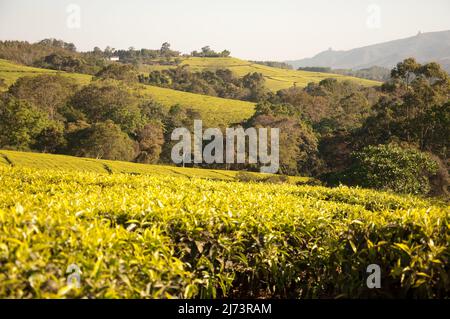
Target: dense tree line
x=221 y=83
x=63 y=56
x=348 y=133
x=207 y=52
x=375 y=73
x=27 y=53
x=50 y=113
x=274 y=64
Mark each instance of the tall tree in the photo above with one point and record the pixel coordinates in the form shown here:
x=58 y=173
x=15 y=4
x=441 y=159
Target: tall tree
x=104 y=140
x=109 y=100
x=50 y=93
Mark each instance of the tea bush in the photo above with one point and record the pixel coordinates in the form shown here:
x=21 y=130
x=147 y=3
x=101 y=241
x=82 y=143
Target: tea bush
x=137 y=236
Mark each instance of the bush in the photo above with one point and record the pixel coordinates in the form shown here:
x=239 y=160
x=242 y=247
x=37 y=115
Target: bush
x=391 y=167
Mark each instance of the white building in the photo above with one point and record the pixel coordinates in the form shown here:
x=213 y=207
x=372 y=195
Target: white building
x=114 y=58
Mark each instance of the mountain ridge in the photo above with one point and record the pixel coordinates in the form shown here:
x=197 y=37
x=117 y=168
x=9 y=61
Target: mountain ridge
x=425 y=47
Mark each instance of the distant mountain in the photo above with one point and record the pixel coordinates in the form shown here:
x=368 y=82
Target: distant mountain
x=425 y=47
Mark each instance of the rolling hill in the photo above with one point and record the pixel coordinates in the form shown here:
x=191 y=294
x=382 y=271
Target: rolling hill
x=168 y=236
x=214 y=111
x=10 y=72
x=276 y=78
x=425 y=47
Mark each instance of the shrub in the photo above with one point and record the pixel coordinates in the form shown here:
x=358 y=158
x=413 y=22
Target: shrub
x=391 y=167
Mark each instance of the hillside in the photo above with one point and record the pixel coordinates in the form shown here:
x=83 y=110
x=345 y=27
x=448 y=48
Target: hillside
x=276 y=78
x=64 y=163
x=214 y=111
x=10 y=72
x=424 y=47
x=154 y=236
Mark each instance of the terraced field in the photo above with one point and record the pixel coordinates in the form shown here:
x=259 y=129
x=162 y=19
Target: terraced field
x=276 y=78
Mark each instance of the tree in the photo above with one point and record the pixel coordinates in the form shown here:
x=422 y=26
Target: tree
x=219 y=82
x=405 y=71
x=353 y=111
x=57 y=44
x=51 y=139
x=117 y=71
x=97 y=51
x=177 y=117
x=276 y=109
x=108 y=100
x=391 y=167
x=50 y=93
x=62 y=62
x=225 y=53
x=310 y=107
x=150 y=139
x=413 y=108
x=335 y=151
x=165 y=48
x=152 y=111
x=20 y=123
x=254 y=82
x=437 y=129
x=104 y=140
x=206 y=50
x=298 y=144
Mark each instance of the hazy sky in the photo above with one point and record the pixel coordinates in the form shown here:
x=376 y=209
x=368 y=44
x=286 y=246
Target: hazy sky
x=250 y=29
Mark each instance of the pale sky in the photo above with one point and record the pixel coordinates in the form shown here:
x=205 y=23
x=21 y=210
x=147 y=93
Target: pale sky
x=250 y=29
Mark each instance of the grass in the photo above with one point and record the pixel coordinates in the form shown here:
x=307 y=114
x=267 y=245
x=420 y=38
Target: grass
x=40 y=161
x=276 y=78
